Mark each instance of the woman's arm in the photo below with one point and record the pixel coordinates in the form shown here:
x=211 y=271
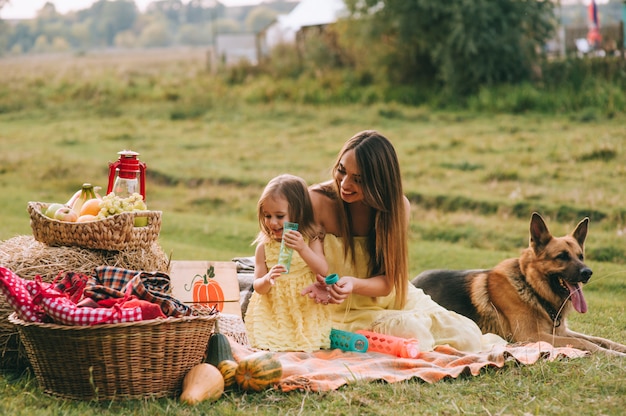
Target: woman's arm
x=374 y=286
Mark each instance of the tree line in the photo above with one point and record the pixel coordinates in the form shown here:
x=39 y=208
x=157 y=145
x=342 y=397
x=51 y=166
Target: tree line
x=119 y=23
x=412 y=50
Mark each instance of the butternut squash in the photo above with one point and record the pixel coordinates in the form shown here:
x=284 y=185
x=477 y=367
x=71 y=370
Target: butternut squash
x=202 y=382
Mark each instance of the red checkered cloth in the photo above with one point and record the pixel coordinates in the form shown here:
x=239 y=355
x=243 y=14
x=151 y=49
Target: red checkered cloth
x=115 y=282
x=17 y=296
x=62 y=310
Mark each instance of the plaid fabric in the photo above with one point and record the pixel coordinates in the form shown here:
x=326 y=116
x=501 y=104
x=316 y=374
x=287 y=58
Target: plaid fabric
x=326 y=370
x=18 y=297
x=62 y=310
x=72 y=283
x=116 y=282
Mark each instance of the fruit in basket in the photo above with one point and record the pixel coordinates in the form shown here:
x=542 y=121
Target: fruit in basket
x=90 y=207
x=66 y=214
x=52 y=209
x=87 y=192
x=87 y=218
x=258 y=371
x=202 y=382
x=113 y=204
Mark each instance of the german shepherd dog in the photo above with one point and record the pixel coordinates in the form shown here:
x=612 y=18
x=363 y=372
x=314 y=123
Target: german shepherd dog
x=525 y=299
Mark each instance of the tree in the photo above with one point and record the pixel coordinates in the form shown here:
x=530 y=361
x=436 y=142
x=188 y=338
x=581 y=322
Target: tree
x=461 y=44
x=109 y=18
x=259 y=18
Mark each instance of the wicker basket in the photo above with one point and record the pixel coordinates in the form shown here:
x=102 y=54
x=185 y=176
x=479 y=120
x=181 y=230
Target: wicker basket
x=234 y=327
x=115 y=361
x=117 y=232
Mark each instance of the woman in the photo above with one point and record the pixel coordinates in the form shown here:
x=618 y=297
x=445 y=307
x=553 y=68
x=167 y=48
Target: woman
x=364 y=216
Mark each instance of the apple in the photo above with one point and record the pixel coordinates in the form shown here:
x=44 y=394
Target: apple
x=141 y=221
x=66 y=214
x=52 y=209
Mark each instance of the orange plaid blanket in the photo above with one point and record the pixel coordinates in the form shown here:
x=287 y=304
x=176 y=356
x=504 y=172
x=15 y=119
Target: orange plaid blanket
x=326 y=370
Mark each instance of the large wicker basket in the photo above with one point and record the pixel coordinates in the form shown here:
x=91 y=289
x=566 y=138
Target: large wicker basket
x=146 y=359
x=117 y=232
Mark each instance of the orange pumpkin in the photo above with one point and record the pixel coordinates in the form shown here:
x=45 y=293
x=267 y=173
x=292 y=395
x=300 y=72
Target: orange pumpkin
x=208 y=291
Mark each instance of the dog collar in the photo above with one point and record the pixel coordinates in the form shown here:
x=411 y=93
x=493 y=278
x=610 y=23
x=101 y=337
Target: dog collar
x=525 y=289
x=554 y=315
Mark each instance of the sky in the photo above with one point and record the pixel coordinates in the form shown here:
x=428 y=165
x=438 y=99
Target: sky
x=27 y=9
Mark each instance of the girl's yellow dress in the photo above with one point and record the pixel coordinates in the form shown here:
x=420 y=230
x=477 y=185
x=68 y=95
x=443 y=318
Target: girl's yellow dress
x=422 y=318
x=283 y=319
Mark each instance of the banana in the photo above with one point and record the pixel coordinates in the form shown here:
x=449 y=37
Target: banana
x=85 y=193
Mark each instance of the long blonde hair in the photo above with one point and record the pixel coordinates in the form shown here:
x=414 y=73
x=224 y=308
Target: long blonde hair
x=294 y=190
x=381 y=183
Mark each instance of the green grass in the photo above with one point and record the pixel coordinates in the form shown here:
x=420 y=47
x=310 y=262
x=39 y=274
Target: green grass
x=473 y=179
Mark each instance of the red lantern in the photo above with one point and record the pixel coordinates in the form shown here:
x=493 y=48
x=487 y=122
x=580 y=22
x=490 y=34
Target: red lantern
x=127 y=175
x=208 y=291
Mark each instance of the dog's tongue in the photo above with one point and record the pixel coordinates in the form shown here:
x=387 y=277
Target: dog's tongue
x=577 y=298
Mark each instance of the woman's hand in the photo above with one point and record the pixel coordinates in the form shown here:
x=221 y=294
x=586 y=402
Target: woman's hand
x=341 y=290
x=323 y=293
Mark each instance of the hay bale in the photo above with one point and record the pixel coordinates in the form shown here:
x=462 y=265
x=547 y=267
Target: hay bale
x=28 y=258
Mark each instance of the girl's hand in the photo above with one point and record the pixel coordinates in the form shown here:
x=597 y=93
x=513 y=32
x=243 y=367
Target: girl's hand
x=274 y=273
x=319 y=291
x=323 y=293
x=293 y=239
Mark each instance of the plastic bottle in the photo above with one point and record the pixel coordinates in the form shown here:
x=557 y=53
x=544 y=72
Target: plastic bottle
x=284 y=257
x=348 y=341
x=331 y=279
x=388 y=344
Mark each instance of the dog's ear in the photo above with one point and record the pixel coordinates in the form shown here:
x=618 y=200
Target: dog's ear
x=580 y=233
x=539 y=234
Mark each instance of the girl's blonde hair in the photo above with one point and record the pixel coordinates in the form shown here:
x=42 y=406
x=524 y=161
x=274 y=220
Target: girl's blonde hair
x=381 y=184
x=294 y=189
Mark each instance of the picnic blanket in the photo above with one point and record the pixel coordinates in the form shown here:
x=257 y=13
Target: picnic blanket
x=326 y=370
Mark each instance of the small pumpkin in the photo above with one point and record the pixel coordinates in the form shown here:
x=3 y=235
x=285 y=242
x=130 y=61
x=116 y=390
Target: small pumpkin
x=258 y=371
x=202 y=382
x=218 y=350
x=228 y=368
x=207 y=290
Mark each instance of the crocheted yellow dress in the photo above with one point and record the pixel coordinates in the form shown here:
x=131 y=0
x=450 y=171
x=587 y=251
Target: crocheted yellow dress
x=283 y=319
x=422 y=318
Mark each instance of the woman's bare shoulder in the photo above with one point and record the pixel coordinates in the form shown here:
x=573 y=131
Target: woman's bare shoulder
x=324 y=208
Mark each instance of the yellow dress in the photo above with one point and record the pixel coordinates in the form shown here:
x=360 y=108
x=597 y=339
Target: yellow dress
x=422 y=318
x=283 y=319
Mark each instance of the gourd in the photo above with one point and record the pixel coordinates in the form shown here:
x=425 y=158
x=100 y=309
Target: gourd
x=218 y=350
x=202 y=382
x=258 y=371
x=228 y=368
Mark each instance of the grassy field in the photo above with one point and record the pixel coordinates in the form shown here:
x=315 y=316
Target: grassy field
x=473 y=180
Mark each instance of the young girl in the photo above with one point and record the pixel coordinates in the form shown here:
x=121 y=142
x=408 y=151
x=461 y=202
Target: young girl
x=278 y=318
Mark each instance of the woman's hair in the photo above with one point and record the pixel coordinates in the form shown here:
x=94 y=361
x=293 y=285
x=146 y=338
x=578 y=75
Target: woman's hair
x=381 y=185
x=294 y=190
